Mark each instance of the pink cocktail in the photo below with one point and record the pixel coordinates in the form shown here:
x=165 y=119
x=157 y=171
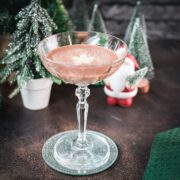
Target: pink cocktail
x=82 y=64
x=81 y=59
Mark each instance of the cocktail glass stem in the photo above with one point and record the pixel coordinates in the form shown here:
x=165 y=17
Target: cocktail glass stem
x=82 y=92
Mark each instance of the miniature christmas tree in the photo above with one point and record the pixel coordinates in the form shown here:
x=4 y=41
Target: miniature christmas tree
x=59 y=15
x=132 y=81
x=80 y=15
x=97 y=23
x=21 y=59
x=136 y=14
x=138 y=47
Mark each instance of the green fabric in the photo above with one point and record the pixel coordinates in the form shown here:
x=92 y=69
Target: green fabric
x=164 y=162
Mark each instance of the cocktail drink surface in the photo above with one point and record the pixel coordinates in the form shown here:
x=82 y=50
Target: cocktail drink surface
x=81 y=61
x=82 y=64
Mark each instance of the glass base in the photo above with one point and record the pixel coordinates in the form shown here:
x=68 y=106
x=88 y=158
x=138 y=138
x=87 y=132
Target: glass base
x=61 y=153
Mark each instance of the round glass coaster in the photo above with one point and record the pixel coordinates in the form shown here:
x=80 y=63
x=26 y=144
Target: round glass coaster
x=60 y=156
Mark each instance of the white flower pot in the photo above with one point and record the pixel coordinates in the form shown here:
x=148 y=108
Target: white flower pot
x=36 y=93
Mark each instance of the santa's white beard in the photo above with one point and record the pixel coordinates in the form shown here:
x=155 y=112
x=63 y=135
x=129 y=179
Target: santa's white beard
x=117 y=81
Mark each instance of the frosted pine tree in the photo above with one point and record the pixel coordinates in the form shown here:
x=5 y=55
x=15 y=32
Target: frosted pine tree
x=136 y=14
x=97 y=23
x=59 y=15
x=21 y=60
x=138 y=47
x=79 y=15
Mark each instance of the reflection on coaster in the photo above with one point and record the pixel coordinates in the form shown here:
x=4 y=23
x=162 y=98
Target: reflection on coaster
x=59 y=143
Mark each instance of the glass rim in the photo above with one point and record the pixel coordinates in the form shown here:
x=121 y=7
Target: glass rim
x=84 y=65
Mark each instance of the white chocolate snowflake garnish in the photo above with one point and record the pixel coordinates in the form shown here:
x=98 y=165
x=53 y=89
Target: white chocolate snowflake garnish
x=83 y=59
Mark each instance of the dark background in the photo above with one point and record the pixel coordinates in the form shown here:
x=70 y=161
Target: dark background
x=162 y=16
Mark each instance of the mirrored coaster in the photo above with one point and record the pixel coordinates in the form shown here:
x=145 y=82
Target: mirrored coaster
x=59 y=154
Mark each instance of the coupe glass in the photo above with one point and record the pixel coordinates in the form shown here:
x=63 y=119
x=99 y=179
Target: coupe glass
x=80 y=151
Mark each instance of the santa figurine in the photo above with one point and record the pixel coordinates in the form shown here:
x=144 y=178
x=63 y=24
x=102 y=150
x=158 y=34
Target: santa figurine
x=122 y=86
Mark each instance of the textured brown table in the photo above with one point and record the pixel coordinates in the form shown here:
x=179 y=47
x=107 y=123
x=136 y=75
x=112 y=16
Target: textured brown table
x=23 y=132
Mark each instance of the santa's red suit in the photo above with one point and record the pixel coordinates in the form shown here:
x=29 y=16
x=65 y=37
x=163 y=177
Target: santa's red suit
x=115 y=86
